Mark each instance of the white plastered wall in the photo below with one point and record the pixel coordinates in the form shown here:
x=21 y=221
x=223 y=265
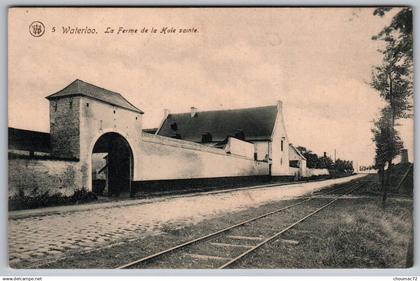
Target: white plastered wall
x=97 y=119
x=279 y=156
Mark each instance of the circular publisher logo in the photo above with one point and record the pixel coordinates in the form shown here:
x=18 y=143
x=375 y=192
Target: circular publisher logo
x=37 y=29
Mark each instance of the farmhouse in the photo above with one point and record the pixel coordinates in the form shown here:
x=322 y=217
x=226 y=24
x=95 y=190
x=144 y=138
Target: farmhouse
x=97 y=142
x=258 y=132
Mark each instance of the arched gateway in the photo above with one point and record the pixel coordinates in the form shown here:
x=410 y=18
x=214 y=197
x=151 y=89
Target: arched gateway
x=112 y=165
x=97 y=127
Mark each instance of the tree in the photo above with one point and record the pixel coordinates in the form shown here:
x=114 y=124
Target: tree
x=388 y=144
x=399 y=34
x=312 y=160
x=344 y=166
x=393 y=79
x=324 y=162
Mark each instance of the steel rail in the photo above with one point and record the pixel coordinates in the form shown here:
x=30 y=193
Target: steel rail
x=205 y=237
x=236 y=259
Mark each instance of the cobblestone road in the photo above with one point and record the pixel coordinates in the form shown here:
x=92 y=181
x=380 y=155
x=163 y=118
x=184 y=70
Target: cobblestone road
x=39 y=238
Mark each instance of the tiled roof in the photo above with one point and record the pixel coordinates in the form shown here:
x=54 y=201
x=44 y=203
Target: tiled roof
x=20 y=139
x=256 y=124
x=79 y=87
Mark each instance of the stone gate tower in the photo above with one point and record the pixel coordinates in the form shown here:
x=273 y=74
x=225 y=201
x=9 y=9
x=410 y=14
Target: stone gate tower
x=82 y=113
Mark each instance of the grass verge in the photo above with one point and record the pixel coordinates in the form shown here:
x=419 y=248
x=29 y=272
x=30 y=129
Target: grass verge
x=352 y=233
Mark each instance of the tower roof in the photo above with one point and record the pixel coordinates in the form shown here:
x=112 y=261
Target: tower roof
x=81 y=88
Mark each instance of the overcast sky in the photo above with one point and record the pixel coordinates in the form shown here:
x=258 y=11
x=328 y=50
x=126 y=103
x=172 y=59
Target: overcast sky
x=318 y=61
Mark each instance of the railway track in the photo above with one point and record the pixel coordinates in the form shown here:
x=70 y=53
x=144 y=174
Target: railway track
x=225 y=240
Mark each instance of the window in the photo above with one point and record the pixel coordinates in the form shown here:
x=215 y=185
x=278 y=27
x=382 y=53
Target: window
x=281 y=145
x=207 y=137
x=174 y=126
x=71 y=103
x=294 y=163
x=87 y=104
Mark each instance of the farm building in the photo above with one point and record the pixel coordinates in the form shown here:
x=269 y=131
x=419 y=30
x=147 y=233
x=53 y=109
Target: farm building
x=258 y=133
x=97 y=142
x=297 y=162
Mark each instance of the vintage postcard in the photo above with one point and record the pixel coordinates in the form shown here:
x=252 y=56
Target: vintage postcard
x=215 y=138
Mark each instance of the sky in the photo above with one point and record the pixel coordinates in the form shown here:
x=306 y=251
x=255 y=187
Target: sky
x=317 y=61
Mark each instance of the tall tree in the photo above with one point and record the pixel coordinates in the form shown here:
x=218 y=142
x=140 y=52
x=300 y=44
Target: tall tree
x=388 y=144
x=393 y=79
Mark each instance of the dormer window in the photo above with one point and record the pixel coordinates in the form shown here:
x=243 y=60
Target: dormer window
x=174 y=126
x=207 y=137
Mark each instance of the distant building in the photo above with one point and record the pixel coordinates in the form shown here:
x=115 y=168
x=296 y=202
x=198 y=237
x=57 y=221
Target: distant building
x=297 y=162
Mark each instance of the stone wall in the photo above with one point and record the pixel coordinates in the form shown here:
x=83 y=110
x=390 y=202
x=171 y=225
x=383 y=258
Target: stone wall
x=168 y=159
x=34 y=177
x=65 y=127
x=316 y=172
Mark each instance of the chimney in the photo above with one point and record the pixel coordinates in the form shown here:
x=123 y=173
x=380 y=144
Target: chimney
x=404 y=156
x=193 y=111
x=279 y=105
x=165 y=113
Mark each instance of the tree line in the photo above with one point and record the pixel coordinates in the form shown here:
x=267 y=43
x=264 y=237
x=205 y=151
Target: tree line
x=314 y=161
x=393 y=80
